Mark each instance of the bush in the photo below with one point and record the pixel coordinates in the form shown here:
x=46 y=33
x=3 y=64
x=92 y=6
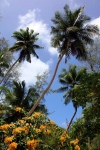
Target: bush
x=35 y=133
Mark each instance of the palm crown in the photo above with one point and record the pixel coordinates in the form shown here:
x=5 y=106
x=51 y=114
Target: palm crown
x=25 y=43
x=78 y=35
x=69 y=79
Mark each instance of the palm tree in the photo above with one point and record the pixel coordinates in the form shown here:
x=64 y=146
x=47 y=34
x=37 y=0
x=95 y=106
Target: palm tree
x=20 y=96
x=69 y=37
x=69 y=79
x=25 y=44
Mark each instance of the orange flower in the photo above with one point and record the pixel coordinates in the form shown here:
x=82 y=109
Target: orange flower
x=18 y=109
x=72 y=142
x=21 y=121
x=11 y=125
x=75 y=142
x=38 y=130
x=51 y=121
x=42 y=127
x=36 y=114
x=77 y=147
x=12 y=146
x=8 y=139
x=26 y=129
x=17 y=130
x=62 y=138
x=47 y=131
x=32 y=144
x=4 y=127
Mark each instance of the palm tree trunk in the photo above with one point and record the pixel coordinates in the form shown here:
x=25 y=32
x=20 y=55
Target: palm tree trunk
x=9 y=70
x=71 y=120
x=41 y=97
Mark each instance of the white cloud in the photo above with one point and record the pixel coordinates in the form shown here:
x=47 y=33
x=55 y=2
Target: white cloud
x=49 y=62
x=30 y=70
x=96 y=21
x=30 y=20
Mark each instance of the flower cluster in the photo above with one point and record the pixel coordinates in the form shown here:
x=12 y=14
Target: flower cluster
x=19 y=130
x=32 y=144
x=36 y=114
x=4 y=127
x=35 y=132
x=75 y=143
x=12 y=146
x=8 y=139
x=51 y=121
x=18 y=109
x=63 y=137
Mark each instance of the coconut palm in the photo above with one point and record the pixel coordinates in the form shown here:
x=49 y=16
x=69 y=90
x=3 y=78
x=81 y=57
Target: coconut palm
x=69 y=37
x=69 y=79
x=25 y=44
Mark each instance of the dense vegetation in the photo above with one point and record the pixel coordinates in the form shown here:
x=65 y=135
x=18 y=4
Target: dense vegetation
x=24 y=122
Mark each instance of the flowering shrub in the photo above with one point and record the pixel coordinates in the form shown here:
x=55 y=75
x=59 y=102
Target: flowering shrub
x=35 y=133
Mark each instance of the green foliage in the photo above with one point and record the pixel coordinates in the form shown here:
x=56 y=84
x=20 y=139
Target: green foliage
x=95 y=144
x=87 y=93
x=92 y=62
x=19 y=96
x=25 y=43
x=78 y=35
x=88 y=89
x=70 y=79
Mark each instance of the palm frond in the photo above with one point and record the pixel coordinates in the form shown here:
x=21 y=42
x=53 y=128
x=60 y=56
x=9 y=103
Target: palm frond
x=62 y=89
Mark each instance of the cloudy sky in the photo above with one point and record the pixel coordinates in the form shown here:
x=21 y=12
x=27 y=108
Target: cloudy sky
x=37 y=15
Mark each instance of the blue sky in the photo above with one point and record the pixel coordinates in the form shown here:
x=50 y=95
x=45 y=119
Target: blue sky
x=37 y=15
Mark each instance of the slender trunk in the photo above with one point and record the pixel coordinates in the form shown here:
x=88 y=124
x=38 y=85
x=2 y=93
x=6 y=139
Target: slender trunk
x=71 y=120
x=9 y=70
x=41 y=97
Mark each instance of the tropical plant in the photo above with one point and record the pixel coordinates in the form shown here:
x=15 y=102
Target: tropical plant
x=35 y=132
x=69 y=79
x=95 y=144
x=93 y=56
x=69 y=37
x=22 y=97
x=25 y=44
x=87 y=93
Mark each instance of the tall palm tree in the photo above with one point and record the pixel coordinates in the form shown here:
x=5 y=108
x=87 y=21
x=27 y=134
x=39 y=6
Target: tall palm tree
x=69 y=79
x=69 y=37
x=25 y=44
